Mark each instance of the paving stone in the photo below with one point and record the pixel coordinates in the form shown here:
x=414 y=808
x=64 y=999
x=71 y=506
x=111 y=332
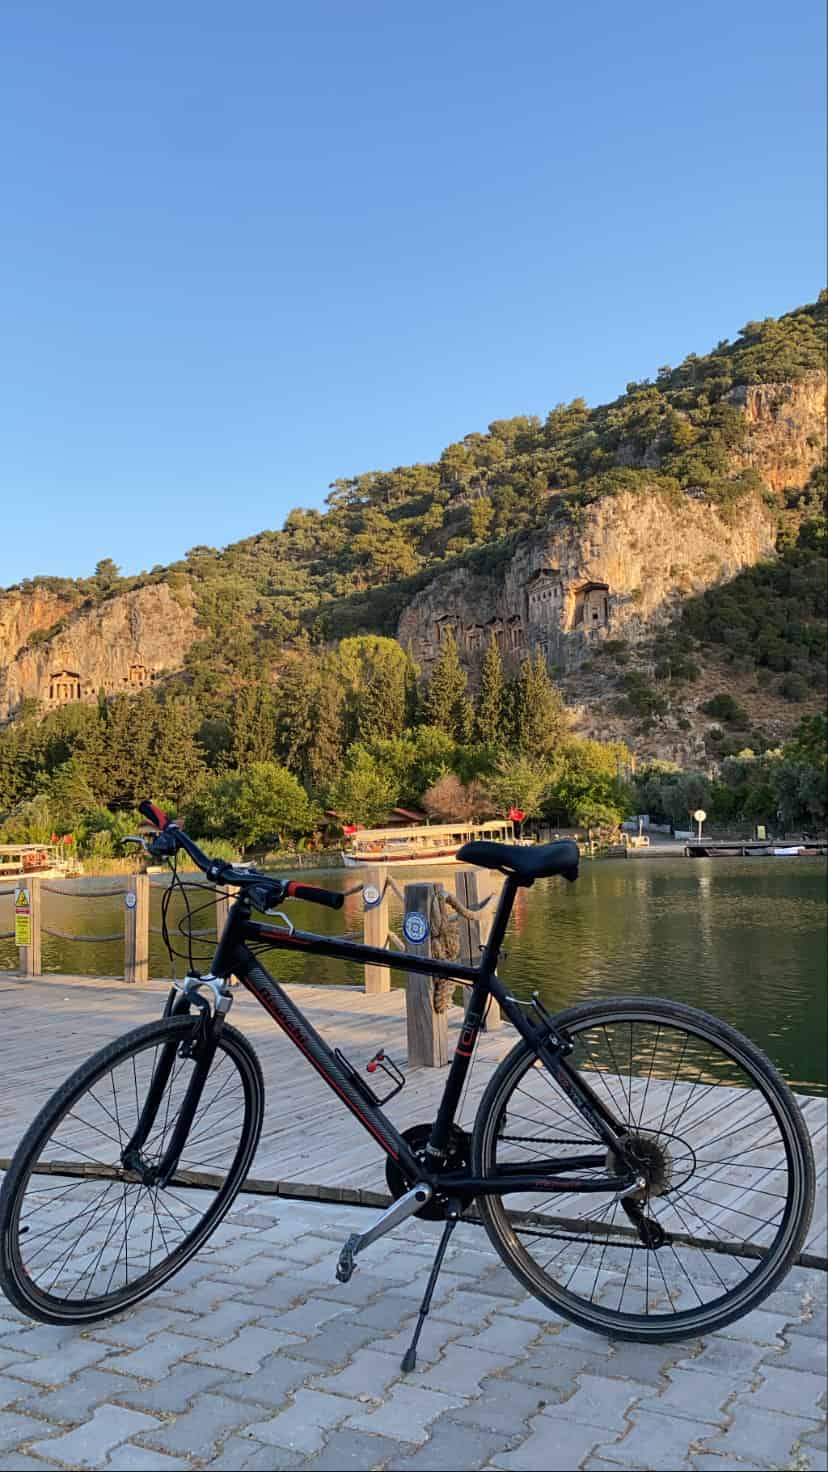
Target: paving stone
x=346 y=1450
x=155 y=1359
x=461 y=1370
x=447 y=1284
x=505 y=1336
x=503 y=1284
x=550 y=1367
x=75 y=1401
x=362 y=1289
x=307 y=1317
x=240 y=1454
x=221 y=1322
x=694 y=1395
x=646 y=1363
x=132 y=1458
x=53 y=1369
x=572 y=1336
x=369 y=1374
x=406 y=1413
x=173 y=1395
x=813 y=1448
x=89 y=1445
x=731 y=1358
x=466 y=1262
x=273 y=1383
x=759 y=1327
x=20 y=1462
x=801 y=1352
x=336 y=1343
x=472 y=1310
x=436 y=1335
x=309 y=1249
x=796 y=1392
x=504 y=1405
x=143 y=1323
x=245 y=1353
x=15 y=1390
x=753 y=1430
x=278 y=1294
x=816 y=1322
x=201 y=1296
x=598 y=1402
x=453 y=1445
x=200 y=1432
x=553 y=1446
x=386 y=1312
x=301 y=1426
x=659 y=1443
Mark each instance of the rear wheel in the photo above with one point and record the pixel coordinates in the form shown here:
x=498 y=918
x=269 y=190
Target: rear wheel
x=81 y=1236
x=719 y=1141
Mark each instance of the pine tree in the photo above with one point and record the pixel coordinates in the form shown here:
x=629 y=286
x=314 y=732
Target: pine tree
x=539 y=711
x=489 y=723
x=446 y=703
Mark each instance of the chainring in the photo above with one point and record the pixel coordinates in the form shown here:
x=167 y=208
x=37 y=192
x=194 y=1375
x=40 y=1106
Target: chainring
x=458 y=1157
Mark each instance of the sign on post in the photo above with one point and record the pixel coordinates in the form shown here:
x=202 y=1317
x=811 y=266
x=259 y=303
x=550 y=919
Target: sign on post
x=22 y=915
x=699 y=817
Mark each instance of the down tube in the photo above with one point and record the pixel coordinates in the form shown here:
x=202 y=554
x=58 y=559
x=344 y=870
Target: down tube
x=276 y=1001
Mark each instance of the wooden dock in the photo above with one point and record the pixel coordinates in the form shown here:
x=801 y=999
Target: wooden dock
x=51 y=1025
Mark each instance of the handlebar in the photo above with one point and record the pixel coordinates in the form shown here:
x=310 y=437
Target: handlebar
x=264 y=890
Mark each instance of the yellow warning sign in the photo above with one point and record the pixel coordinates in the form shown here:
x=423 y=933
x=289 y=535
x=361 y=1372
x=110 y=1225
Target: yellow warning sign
x=22 y=917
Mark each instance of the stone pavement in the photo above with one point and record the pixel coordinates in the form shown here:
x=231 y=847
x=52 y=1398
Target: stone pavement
x=253 y=1357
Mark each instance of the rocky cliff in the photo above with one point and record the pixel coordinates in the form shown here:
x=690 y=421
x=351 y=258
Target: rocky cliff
x=618 y=572
x=624 y=564
x=118 y=646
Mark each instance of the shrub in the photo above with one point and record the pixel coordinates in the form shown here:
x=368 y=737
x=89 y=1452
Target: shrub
x=793 y=687
x=723 y=707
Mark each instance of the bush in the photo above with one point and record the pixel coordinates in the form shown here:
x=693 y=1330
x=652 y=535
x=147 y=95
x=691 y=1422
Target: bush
x=723 y=707
x=793 y=687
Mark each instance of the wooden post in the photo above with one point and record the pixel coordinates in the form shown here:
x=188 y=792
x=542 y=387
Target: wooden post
x=474 y=885
x=427 y=1029
x=377 y=978
x=224 y=899
x=136 y=928
x=30 y=956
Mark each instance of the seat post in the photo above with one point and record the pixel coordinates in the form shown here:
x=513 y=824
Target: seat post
x=491 y=952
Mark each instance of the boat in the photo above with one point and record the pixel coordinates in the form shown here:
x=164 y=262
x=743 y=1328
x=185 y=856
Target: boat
x=755 y=849
x=434 y=843
x=36 y=860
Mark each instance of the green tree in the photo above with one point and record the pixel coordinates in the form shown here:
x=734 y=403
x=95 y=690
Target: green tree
x=590 y=774
x=446 y=703
x=366 y=790
x=539 y=712
x=489 y=723
x=519 y=781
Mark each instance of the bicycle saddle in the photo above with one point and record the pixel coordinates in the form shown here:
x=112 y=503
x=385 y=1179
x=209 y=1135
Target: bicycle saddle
x=540 y=861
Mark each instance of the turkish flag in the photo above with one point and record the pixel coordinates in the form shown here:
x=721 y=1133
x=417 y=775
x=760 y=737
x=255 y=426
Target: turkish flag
x=350 y=828
x=517 y=815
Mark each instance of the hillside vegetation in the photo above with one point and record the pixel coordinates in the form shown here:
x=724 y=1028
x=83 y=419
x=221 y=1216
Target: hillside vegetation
x=348 y=729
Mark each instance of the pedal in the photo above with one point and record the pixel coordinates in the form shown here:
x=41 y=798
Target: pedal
x=345 y=1266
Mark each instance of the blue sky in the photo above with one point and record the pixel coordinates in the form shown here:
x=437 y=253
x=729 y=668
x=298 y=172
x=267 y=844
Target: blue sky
x=248 y=249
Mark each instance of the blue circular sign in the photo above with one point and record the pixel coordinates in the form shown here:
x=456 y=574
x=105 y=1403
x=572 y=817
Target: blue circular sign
x=415 y=927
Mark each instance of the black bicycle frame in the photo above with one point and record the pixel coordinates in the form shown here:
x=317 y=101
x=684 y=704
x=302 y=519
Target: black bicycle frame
x=234 y=958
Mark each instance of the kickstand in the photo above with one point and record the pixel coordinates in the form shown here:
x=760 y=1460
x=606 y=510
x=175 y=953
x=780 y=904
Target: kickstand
x=409 y=1359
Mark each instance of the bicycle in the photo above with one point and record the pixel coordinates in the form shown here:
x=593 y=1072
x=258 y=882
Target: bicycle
x=680 y=1155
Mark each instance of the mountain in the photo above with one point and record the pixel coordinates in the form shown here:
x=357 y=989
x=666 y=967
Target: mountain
x=595 y=535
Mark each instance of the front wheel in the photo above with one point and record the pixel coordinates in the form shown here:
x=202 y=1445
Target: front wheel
x=81 y=1235
x=719 y=1140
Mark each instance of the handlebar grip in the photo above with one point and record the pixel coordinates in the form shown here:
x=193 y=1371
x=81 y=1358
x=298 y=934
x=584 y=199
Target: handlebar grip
x=314 y=896
x=153 y=814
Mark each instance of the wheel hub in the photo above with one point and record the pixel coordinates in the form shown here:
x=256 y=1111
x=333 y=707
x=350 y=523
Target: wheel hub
x=653 y=1159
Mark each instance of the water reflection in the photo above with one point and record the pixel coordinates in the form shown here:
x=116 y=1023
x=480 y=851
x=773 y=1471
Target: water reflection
x=742 y=938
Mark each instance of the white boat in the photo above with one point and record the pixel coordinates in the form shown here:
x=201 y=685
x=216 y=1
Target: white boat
x=43 y=860
x=434 y=843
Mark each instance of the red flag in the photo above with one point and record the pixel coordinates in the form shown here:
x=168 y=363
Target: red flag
x=517 y=815
x=69 y=838
x=55 y=838
x=350 y=828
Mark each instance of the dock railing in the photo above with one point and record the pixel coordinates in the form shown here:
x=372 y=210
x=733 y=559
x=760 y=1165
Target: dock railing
x=458 y=917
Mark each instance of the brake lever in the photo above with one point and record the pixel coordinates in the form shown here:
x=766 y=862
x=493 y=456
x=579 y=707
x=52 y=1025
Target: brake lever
x=137 y=839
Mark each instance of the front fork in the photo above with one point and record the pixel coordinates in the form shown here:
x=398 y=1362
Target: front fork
x=200 y=1045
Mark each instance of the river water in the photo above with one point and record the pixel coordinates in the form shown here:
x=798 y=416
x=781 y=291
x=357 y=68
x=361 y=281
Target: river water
x=742 y=938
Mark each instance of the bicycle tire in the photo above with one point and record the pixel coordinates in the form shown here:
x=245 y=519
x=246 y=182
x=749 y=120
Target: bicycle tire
x=507 y=1232
x=29 y=1165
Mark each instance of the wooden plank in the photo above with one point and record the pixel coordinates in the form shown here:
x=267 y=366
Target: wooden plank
x=473 y=887
x=136 y=928
x=30 y=956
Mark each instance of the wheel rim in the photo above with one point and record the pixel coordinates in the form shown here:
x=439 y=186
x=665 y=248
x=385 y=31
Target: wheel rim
x=87 y=1236
x=718 y=1152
